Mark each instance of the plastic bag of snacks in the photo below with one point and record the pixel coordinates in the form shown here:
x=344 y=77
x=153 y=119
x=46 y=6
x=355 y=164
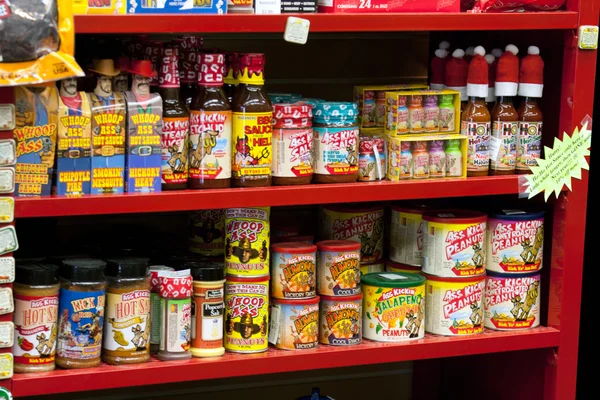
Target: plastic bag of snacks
x=517 y=5
x=36 y=42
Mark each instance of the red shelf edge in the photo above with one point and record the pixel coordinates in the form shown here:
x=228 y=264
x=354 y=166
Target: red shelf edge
x=264 y=196
x=382 y=22
x=275 y=361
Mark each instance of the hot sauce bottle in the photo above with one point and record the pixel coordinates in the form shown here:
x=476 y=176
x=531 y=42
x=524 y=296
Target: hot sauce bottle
x=231 y=72
x=210 y=124
x=447 y=117
x=416 y=114
x=420 y=160
x=189 y=65
x=176 y=125
x=252 y=125
x=437 y=159
x=431 y=114
x=454 y=158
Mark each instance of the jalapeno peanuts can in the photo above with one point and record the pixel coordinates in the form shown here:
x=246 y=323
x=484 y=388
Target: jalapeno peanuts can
x=338 y=267
x=393 y=306
x=247 y=314
x=294 y=270
x=295 y=323
x=454 y=306
x=407 y=232
x=512 y=301
x=375 y=266
x=515 y=241
x=363 y=224
x=391 y=266
x=247 y=241
x=341 y=320
x=454 y=244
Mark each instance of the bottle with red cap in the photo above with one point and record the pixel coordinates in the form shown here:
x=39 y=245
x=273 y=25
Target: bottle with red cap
x=210 y=127
x=491 y=96
x=230 y=81
x=188 y=74
x=176 y=323
x=505 y=125
x=475 y=119
x=531 y=85
x=455 y=75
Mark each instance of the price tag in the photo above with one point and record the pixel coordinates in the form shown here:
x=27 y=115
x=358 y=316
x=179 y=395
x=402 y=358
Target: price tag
x=6 y=366
x=7 y=117
x=274 y=325
x=7 y=180
x=7 y=210
x=495 y=144
x=296 y=30
x=7 y=334
x=588 y=37
x=7 y=269
x=8 y=240
x=8 y=152
x=6 y=301
x=267 y=7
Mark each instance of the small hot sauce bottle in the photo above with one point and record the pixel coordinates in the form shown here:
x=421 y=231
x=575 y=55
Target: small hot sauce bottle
x=420 y=160
x=432 y=113
x=416 y=114
x=437 y=159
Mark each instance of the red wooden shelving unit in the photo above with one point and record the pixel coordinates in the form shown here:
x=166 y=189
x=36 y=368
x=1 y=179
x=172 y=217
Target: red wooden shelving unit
x=558 y=340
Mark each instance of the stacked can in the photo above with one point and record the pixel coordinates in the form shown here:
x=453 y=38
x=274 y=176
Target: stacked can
x=247 y=280
x=454 y=266
x=407 y=232
x=515 y=245
x=338 y=268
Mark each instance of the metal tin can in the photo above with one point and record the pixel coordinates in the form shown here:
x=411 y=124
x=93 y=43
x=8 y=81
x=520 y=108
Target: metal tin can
x=454 y=243
x=454 y=307
x=515 y=241
x=295 y=323
x=247 y=241
x=207 y=232
x=338 y=267
x=391 y=266
x=512 y=301
x=293 y=268
x=406 y=235
x=394 y=306
x=247 y=313
x=367 y=268
x=363 y=224
x=341 y=320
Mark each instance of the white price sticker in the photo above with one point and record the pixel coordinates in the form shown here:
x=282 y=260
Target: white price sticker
x=588 y=37
x=7 y=117
x=274 y=325
x=296 y=30
x=267 y=7
x=7 y=210
x=495 y=144
x=7 y=330
x=8 y=152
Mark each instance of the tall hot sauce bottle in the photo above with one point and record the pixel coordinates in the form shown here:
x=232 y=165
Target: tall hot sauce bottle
x=252 y=125
x=176 y=125
x=230 y=81
x=210 y=127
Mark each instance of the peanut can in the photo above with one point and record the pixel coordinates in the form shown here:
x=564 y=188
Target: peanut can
x=407 y=235
x=295 y=324
x=341 y=320
x=247 y=241
x=512 y=301
x=367 y=268
x=293 y=267
x=391 y=266
x=338 y=267
x=207 y=232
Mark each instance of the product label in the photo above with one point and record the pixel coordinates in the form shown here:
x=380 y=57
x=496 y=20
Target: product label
x=406 y=241
x=210 y=144
x=252 y=145
x=416 y=119
x=247 y=310
x=212 y=321
x=298 y=327
x=336 y=151
x=339 y=273
x=35 y=329
x=512 y=303
x=81 y=321
x=341 y=322
x=6 y=365
x=446 y=121
x=8 y=240
x=506 y=158
x=402 y=120
x=454 y=308
x=431 y=115
x=175 y=135
x=421 y=165
x=207 y=318
x=394 y=314
x=7 y=305
x=292 y=152
x=479 y=141
x=529 y=145
x=247 y=241
x=296 y=275
x=437 y=164
x=368 y=117
x=207 y=232
x=7 y=269
x=127 y=322
x=176 y=325
x=8 y=152
x=7 y=210
x=515 y=246
x=454 y=163
x=7 y=180
x=155 y=318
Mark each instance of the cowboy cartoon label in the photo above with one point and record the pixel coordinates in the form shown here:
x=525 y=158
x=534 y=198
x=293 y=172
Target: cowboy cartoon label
x=339 y=273
x=512 y=303
x=144 y=129
x=506 y=159
x=406 y=238
x=210 y=144
x=336 y=150
x=515 y=246
x=454 y=250
x=454 y=307
x=35 y=136
x=81 y=321
x=298 y=326
x=35 y=329
x=246 y=321
x=340 y=322
x=393 y=314
x=247 y=241
x=252 y=139
x=175 y=137
x=177 y=315
x=529 y=145
x=127 y=322
x=294 y=275
x=292 y=152
x=479 y=142
x=207 y=231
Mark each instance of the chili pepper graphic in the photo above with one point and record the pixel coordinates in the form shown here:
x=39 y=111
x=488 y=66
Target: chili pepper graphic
x=25 y=344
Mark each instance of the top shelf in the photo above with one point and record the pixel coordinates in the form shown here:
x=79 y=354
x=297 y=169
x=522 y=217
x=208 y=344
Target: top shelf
x=383 y=22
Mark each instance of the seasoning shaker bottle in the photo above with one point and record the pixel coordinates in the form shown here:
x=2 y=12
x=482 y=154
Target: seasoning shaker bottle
x=176 y=305
x=155 y=310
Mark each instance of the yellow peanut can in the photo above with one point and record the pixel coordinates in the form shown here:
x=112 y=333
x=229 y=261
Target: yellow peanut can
x=393 y=306
x=247 y=241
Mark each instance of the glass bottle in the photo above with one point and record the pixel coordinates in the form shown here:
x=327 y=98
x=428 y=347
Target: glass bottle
x=230 y=79
x=475 y=124
x=447 y=117
x=420 y=160
x=402 y=117
x=369 y=110
x=454 y=159
x=416 y=114
x=505 y=127
x=529 y=141
x=380 y=109
x=437 y=159
x=406 y=161
x=431 y=113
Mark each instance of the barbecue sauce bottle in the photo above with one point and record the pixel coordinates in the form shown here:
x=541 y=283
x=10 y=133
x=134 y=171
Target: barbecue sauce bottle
x=252 y=125
x=210 y=127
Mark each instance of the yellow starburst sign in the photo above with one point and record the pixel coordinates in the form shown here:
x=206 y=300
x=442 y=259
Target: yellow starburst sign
x=563 y=161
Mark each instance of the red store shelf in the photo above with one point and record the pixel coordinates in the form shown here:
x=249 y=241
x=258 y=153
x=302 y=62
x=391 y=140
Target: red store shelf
x=275 y=361
x=264 y=196
x=385 y=22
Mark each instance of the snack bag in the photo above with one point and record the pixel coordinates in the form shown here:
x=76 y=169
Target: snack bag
x=36 y=42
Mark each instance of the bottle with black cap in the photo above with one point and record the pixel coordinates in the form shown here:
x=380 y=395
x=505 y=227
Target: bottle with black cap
x=35 y=293
x=127 y=318
x=81 y=313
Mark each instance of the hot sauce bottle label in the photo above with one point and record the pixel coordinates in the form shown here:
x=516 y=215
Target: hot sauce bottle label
x=446 y=121
x=454 y=162
x=210 y=144
x=406 y=164
x=529 y=144
x=252 y=138
x=421 y=165
x=437 y=164
x=175 y=150
x=336 y=151
x=479 y=141
x=292 y=152
x=507 y=154
x=127 y=321
x=35 y=329
x=416 y=119
x=402 y=120
x=431 y=116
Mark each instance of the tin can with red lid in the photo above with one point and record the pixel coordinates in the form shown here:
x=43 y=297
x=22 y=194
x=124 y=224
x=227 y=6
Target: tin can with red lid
x=295 y=323
x=338 y=267
x=371 y=159
x=293 y=268
x=341 y=320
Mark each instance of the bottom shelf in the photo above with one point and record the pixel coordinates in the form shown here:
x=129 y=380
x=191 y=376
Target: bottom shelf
x=274 y=361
